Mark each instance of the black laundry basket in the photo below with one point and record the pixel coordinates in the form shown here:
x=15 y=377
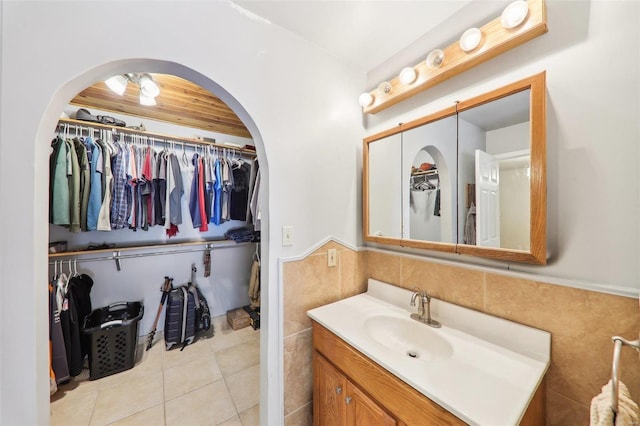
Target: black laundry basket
x=113 y=332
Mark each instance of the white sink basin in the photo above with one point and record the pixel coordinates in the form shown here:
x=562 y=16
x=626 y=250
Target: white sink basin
x=481 y=368
x=408 y=337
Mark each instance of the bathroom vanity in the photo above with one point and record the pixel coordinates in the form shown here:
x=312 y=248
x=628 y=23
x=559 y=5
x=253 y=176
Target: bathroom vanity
x=375 y=365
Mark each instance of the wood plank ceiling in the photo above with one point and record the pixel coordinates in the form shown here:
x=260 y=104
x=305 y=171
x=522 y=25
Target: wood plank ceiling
x=180 y=102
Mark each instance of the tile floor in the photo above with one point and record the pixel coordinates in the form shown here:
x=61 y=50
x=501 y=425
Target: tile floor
x=214 y=381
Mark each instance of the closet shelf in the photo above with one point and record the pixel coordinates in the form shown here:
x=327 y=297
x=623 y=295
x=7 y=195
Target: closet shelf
x=152 y=135
x=207 y=243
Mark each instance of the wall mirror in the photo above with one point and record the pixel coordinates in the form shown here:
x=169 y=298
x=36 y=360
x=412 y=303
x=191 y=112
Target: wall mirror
x=469 y=179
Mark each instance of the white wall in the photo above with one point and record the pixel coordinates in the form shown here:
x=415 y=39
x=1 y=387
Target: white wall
x=593 y=110
x=470 y=138
x=298 y=102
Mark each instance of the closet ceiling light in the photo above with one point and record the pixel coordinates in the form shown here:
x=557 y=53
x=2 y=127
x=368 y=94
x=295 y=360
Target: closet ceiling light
x=117 y=83
x=147 y=100
x=365 y=99
x=148 y=88
x=408 y=75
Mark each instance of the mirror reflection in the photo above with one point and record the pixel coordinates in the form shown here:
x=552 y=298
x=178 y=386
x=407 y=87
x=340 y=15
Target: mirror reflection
x=468 y=179
x=385 y=196
x=494 y=173
x=429 y=175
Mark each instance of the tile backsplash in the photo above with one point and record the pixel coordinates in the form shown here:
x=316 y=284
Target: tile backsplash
x=581 y=322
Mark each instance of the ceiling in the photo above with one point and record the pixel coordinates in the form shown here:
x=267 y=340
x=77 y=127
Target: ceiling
x=179 y=102
x=361 y=33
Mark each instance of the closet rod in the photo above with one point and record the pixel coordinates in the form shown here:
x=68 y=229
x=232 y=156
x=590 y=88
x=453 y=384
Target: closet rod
x=116 y=256
x=159 y=137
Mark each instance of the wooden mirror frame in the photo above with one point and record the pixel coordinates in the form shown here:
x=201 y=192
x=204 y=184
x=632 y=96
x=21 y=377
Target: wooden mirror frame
x=537 y=253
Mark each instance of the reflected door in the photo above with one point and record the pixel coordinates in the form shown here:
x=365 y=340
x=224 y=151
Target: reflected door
x=488 y=200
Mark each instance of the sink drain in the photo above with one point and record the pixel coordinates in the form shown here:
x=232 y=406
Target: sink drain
x=412 y=354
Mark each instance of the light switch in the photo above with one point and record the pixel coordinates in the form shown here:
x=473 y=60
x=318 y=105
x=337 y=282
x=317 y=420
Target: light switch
x=287 y=236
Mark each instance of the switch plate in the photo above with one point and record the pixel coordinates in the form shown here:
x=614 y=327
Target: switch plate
x=287 y=236
x=332 y=257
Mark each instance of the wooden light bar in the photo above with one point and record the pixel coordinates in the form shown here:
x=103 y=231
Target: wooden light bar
x=495 y=40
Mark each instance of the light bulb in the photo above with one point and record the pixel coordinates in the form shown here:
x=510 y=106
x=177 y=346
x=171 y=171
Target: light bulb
x=365 y=99
x=148 y=86
x=385 y=87
x=470 y=39
x=146 y=100
x=514 y=14
x=408 y=75
x=435 y=58
x=117 y=83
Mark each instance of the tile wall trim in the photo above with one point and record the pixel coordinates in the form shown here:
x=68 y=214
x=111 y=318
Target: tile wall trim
x=318 y=245
x=548 y=279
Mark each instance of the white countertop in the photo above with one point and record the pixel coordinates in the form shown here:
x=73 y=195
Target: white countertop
x=489 y=378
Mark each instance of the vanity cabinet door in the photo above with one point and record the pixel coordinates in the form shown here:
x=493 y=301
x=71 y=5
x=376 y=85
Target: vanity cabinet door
x=329 y=393
x=363 y=411
x=337 y=401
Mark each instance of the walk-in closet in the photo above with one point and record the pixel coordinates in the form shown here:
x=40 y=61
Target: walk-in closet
x=154 y=257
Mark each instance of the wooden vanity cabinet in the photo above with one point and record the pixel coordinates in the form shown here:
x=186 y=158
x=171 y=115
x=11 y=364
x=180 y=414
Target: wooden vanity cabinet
x=375 y=396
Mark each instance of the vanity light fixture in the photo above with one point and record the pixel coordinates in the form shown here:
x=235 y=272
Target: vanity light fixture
x=385 y=87
x=470 y=39
x=365 y=99
x=149 y=90
x=408 y=75
x=520 y=22
x=514 y=14
x=435 y=58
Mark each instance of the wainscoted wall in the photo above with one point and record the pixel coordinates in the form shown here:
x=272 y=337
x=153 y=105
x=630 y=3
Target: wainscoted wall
x=581 y=322
x=307 y=284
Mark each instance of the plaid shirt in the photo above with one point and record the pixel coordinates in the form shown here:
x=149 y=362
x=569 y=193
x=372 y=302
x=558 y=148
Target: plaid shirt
x=119 y=204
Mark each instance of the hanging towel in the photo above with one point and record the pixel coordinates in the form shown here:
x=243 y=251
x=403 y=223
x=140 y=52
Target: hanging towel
x=602 y=413
x=470 y=226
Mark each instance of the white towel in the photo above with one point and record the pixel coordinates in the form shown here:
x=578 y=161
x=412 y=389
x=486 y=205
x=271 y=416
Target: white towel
x=602 y=413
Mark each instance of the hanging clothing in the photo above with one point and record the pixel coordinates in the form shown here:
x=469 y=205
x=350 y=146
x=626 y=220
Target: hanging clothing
x=119 y=204
x=80 y=289
x=160 y=188
x=176 y=192
x=56 y=338
x=254 y=284
x=217 y=188
x=59 y=183
x=85 y=180
x=74 y=188
x=470 y=226
x=194 y=198
x=240 y=191
x=95 y=187
x=436 y=208
x=104 y=218
x=204 y=226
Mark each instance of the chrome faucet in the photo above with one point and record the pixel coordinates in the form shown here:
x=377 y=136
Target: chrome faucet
x=425 y=299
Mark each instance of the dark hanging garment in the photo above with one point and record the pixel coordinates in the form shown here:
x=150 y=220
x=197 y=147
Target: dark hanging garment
x=71 y=333
x=58 y=351
x=436 y=209
x=240 y=191
x=80 y=288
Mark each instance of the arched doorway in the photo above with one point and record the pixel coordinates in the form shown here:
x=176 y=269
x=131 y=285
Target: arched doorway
x=270 y=401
